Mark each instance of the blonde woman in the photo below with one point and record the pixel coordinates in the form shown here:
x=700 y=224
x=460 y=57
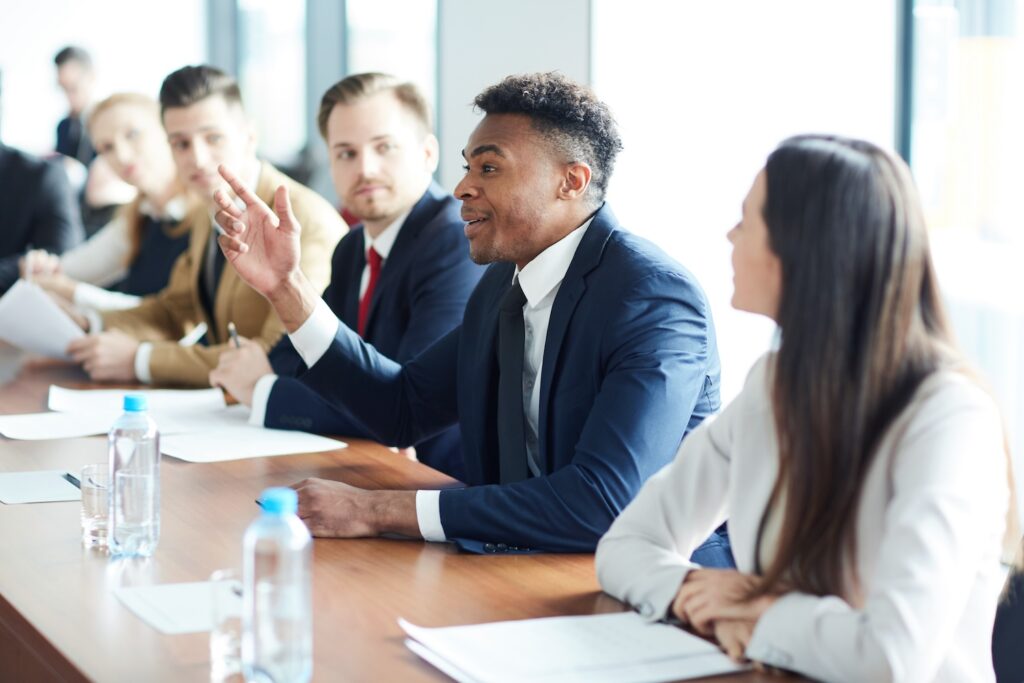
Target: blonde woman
x=134 y=253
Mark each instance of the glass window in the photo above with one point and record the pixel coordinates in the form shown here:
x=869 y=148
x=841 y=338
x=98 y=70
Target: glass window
x=394 y=36
x=272 y=74
x=704 y=91
x=967 y=143
x=134 y=45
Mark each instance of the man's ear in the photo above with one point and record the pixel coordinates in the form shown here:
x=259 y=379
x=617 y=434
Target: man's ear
x=432 y=150
x=575 y=180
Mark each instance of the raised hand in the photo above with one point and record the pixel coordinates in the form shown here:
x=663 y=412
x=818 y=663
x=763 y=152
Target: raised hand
x=262 y=244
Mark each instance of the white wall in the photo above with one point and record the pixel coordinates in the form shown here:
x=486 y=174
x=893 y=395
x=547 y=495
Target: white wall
x=482 y=41
x=704 y=91
x=134 y=45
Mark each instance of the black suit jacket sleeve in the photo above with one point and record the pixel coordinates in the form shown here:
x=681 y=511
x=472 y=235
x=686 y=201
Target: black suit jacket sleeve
x=54 y=223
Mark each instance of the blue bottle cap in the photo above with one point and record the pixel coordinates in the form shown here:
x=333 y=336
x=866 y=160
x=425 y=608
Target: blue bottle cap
x=279 y=500
x=135 y=403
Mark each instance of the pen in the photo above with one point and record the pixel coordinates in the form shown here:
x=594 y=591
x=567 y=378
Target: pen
x=233 y=331
x=259 y=503
x=73 y=480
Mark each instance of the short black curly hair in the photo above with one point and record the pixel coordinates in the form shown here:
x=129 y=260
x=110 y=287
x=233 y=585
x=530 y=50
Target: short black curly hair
x=565 y=112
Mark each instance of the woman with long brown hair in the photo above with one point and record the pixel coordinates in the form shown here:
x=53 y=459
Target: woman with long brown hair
x=134 y=253
x=862 y=469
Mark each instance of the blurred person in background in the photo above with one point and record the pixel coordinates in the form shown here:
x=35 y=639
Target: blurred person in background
x=37 y=209
x=206 y=126
x=76 y=79
x=133 y=254
x=99 y=189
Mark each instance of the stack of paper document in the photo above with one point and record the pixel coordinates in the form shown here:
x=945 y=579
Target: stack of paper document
x=195 y=425
x=31 y=320
x=619 y=648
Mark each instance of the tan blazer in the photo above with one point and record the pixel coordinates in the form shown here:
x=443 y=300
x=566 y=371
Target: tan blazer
x=165 y=317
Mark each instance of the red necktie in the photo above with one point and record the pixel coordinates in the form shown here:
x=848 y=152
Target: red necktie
x=374 y=260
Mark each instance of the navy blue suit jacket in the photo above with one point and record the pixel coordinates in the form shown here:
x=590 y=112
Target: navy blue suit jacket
x=422 y=291
x=630 y=366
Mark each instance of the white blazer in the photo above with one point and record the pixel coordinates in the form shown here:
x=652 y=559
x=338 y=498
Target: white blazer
x=929 y=531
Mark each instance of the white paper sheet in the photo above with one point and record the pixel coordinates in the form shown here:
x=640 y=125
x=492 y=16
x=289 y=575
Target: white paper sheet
x=79 y=412
x=191 y=401
x=31 y=320
x=174 y=608
x=604 y=648
x=237 y=442
x=45 y=486
x=35 y=426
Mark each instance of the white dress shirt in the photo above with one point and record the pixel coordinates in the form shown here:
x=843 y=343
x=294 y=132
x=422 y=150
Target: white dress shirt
x=382 y=244
x=929 y=531
x=540 y=280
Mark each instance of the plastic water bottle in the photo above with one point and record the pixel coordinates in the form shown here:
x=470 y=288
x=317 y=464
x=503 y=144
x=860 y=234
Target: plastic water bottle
x=134 y=447
x=277 y=617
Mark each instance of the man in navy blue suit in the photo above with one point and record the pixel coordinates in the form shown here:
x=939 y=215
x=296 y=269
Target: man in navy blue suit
x=584 y=355
x=400 y=279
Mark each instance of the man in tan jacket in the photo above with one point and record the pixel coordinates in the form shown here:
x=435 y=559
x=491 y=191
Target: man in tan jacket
x=206 y=126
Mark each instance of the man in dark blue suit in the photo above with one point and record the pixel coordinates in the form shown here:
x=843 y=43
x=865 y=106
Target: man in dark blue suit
x=401 y=278
x=584 y=356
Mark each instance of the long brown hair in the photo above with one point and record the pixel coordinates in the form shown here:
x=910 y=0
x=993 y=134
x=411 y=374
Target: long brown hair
x=131 y=213
x=862 y=325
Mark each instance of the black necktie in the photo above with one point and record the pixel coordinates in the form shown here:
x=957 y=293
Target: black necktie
x=511 y=421
x=213 y=266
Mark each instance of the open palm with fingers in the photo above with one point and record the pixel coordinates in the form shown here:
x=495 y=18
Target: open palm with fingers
x=261 y=243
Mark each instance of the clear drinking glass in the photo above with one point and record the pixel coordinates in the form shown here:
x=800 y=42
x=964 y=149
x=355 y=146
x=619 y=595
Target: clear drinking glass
x=95 y=485
x=226 y=634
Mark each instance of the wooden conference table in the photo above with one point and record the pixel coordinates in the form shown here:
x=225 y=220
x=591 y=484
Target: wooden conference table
x=60 y=621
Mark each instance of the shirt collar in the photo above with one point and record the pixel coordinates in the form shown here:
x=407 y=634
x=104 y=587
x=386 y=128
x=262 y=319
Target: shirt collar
x=383 y=242
x=174 y=210
x=547 y=270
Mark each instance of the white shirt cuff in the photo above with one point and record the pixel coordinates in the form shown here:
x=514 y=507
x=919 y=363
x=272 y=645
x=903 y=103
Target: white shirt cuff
x=428 y=516
x=89 y=296
x=142 y=355
x=315 y=335
x=95 y=320
x=260 y=398
x=783 y=629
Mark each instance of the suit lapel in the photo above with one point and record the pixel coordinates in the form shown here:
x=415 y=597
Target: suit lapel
x=356 y=262
x=588 y=255
x=404 y=246
x=200 y=235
